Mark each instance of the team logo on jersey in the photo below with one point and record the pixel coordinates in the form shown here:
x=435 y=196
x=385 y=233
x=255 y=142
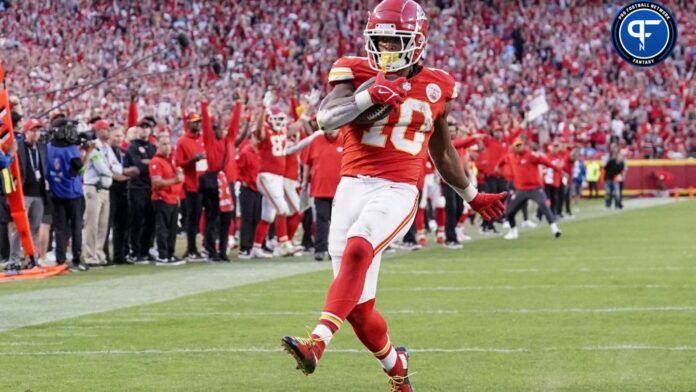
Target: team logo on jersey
x=644 y=33
x=339 y=149
x=433 y=92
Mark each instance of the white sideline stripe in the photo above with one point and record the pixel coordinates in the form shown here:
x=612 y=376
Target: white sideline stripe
x=628 y=347
x=48 y=305
x=429 y=312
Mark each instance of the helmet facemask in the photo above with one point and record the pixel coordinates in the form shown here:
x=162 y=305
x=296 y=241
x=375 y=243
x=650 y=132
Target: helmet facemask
x=412 y=45
x=279 y=121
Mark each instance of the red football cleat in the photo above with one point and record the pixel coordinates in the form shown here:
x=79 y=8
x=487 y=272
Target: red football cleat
x=399 y=382
x=306 y=351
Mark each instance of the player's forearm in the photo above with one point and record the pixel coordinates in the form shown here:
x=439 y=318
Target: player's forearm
x=304 y=143
x=451 y=171
x=341 y=111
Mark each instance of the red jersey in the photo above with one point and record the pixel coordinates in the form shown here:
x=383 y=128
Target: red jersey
x=324 y=156
x=272 y=151
x=525 y=169
x=248 y=164
x=164 y=168
x=292 y=163
x=393 y=148
x=551 y=176
x=188 y=146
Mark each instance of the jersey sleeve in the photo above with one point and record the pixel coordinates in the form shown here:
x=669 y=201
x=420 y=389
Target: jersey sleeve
x=155 y=168
x=350 y=69
x=446 y=83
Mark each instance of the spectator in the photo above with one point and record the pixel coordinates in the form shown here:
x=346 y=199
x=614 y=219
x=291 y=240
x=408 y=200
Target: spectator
x=165 y=200
x=64 y=168
x=249 y=196
x=142 y=223
x=323 y=160
x=118 y=202
x=215 y=183
x=527 y=182
x=614 y=168
x=578 y=173
x=31 y=154
x=99 y=175
x=191 y=157
x=594 y=171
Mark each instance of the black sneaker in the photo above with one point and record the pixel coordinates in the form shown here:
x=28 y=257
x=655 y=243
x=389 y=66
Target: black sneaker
x=194 y=257
x=244 y=254
x=224 y=258
x=169 y=262
x=320 y=256
x=142 y=260
x=80 y=267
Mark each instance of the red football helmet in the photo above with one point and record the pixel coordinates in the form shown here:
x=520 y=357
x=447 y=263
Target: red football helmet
x=403 y=19
x=277 y=119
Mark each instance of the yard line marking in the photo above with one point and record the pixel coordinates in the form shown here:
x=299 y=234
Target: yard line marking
x=595 y=310
x=274 y=350
x=30 y=344
x=616 y=269
x=417 y=312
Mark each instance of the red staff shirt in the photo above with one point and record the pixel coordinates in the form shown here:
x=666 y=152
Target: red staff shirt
x=163 y=167
x=249 y=165
x=188 y=146
x=525 y=169
x=324 y=156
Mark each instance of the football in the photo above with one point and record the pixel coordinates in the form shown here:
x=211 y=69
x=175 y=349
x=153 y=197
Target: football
x=375 y=112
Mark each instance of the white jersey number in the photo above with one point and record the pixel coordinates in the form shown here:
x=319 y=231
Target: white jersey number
x=278 y=145
x=376 y=138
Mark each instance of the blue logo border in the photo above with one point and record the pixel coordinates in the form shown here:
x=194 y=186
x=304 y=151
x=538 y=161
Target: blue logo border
x=671 y=25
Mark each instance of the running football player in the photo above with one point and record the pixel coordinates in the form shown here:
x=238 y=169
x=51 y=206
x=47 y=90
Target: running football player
x=377 y=199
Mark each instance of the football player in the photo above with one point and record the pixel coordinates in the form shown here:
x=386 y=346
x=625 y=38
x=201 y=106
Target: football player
x=377 y=198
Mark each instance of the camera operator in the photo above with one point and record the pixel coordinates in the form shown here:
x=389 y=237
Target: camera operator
x=142 y=224
x=99 y=175
x=31 y=154
x=66 y=156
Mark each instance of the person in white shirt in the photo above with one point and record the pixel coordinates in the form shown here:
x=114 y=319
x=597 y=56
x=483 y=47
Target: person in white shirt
x=102 y=166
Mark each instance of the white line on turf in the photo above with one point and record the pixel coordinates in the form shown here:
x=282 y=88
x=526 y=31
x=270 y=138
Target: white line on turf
x=428 y=312
x=253 y=350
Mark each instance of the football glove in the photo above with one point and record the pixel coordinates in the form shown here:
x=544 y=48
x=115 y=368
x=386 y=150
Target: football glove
x=490 y=205
x=387 y=92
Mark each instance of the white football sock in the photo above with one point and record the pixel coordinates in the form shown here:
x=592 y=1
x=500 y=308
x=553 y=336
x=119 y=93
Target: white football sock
x=323 y=332
x=389 y=361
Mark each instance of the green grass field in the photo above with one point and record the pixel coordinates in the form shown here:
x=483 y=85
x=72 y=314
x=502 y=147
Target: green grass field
x=611 y=306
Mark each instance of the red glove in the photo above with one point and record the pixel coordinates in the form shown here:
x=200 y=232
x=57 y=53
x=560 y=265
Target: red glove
x=387 y=92
x=490 y=205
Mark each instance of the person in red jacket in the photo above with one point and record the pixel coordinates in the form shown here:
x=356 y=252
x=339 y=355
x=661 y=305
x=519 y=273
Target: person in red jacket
x=190 y=156
x=217 y=186
x=323 y=160
x=524 y=166
x=165 y=182
x=553 y=179
x=248 y=164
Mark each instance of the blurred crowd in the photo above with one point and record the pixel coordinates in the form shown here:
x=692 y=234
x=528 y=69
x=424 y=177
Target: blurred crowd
x=501 y=52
